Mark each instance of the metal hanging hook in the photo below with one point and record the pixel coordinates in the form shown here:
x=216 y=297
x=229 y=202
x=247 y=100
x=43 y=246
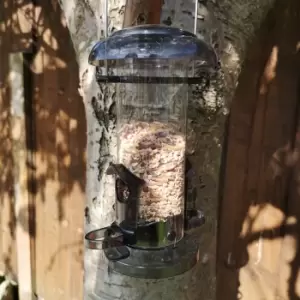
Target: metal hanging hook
x=196 y=17
x=106 y=18
x=106 y=28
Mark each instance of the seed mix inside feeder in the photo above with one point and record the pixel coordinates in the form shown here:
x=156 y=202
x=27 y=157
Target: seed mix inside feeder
x=155 y=151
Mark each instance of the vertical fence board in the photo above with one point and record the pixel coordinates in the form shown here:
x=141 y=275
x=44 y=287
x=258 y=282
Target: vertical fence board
x=60 y=165
x=21 y=199
x=22 y=16
x=288 y=283
x=8 y=263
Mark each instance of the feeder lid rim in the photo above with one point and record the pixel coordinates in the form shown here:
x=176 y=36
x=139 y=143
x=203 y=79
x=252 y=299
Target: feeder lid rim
x=154 y=42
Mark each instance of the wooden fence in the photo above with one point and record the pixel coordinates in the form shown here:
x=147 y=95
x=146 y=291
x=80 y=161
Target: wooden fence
x=42 y=153
x=258 y=247
x=42 y=160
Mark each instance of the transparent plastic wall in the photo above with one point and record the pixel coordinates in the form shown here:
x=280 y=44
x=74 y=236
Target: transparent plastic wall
x=147 y=71
x=151 y=126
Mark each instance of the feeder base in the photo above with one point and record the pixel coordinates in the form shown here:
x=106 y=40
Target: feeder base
x=155 y=264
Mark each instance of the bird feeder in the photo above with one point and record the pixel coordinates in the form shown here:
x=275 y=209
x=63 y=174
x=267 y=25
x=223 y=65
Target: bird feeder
x=151 y=68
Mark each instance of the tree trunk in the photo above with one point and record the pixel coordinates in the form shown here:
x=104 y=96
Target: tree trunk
x=226 y=24
x=139 y=12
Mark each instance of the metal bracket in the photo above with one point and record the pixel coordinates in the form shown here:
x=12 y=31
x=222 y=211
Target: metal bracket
x=110 y=239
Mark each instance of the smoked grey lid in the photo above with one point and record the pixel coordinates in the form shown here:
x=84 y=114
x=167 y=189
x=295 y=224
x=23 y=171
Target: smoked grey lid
x=149 y=46
x=153 y=42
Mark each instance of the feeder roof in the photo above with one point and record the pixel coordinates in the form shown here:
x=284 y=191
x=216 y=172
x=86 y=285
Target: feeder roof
x=153 y=42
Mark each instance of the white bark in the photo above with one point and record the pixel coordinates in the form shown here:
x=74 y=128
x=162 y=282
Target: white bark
x=228 y=25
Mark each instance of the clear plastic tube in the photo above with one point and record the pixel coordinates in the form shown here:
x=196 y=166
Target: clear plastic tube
x=151 y=124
